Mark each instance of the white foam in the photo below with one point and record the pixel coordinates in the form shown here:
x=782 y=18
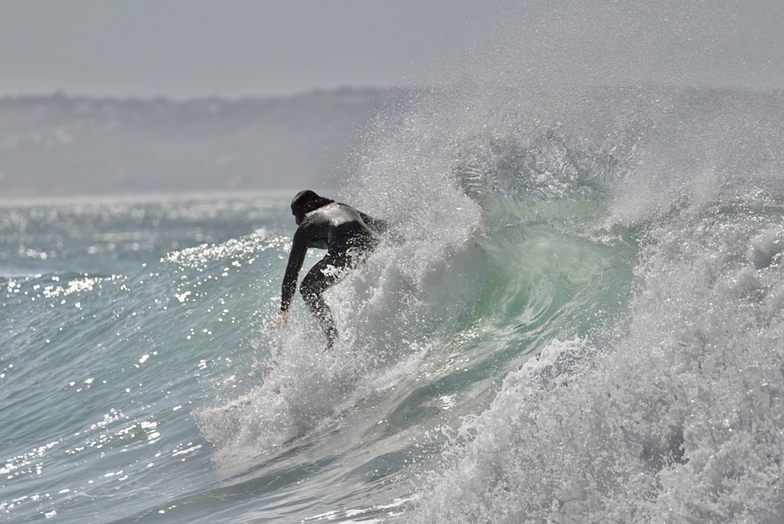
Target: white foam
x=679 y=419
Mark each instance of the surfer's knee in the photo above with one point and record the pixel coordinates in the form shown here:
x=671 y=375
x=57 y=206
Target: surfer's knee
x=311 y=293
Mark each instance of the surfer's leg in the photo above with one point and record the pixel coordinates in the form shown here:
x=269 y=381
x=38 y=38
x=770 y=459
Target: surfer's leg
x=319 y=278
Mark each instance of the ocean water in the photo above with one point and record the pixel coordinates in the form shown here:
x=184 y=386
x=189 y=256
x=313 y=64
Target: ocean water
x=577 y=317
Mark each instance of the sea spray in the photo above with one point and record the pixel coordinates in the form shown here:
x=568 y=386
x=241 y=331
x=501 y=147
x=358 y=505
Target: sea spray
x=678 y=418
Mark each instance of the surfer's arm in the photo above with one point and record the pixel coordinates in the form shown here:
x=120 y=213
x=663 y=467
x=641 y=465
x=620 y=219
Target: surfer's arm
x=296 y=258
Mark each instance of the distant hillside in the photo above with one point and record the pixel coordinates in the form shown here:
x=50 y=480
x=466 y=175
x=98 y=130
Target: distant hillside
x=66 y=146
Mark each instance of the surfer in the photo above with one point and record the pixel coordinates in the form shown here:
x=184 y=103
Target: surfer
x=348 y=235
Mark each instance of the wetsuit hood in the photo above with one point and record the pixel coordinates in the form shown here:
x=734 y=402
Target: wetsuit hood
x=306 y=201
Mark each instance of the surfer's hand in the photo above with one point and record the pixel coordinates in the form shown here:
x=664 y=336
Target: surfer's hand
x=281 y=319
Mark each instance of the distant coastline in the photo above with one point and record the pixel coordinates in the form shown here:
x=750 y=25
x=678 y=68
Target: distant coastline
x=62 y=148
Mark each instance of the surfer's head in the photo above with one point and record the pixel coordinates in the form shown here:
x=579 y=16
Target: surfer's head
x=305 y=202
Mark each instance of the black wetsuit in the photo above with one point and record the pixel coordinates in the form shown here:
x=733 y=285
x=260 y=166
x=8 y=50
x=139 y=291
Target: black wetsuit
x=348 y=236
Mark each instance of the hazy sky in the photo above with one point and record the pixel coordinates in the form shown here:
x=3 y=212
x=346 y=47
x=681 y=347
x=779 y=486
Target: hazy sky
x=232 y=47
x=187 y=48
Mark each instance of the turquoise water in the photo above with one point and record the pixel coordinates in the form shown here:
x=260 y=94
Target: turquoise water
x=571 y=320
